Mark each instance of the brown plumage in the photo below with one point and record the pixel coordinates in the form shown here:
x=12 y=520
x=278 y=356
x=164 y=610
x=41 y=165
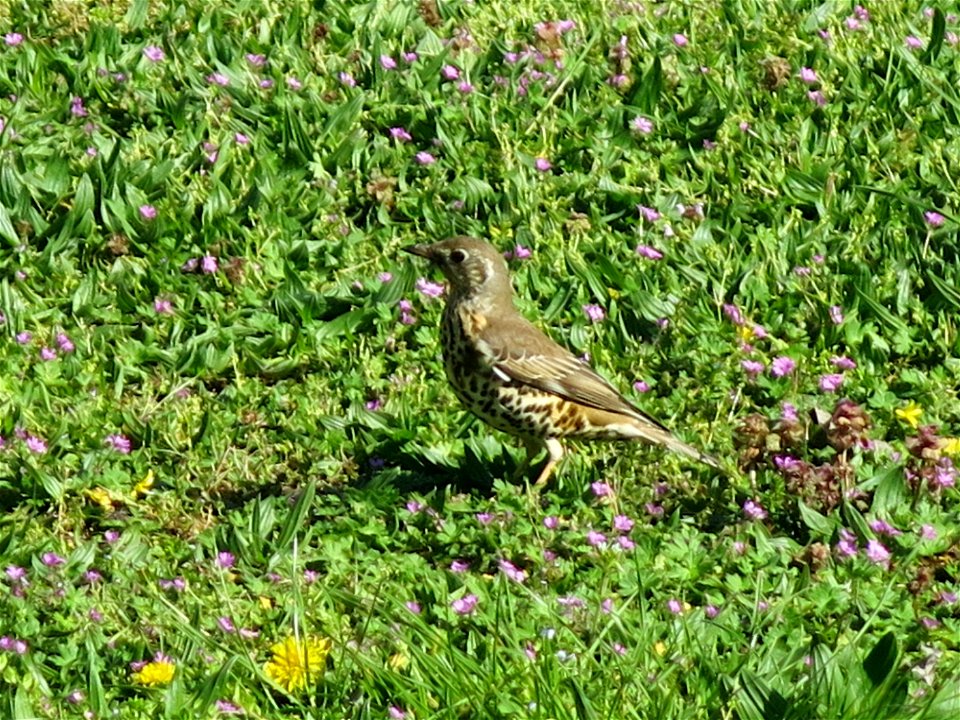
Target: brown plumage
x=511 y=375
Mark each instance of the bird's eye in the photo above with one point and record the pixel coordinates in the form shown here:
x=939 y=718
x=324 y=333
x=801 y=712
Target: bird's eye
x=458 y=256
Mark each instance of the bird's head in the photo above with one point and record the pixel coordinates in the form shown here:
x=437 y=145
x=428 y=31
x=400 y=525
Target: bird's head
x=472 y=267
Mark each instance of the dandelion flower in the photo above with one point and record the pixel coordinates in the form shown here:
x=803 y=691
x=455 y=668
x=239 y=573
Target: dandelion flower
x=158 y=671
x=910 y=414
x=295 y=665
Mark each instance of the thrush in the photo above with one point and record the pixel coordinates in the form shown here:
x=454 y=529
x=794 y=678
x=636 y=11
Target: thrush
x=508 y=373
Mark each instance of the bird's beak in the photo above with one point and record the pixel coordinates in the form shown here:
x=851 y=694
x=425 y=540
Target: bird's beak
x=421 y=250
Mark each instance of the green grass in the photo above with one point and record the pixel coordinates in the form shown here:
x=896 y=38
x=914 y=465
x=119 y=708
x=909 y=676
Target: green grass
x=278 y=408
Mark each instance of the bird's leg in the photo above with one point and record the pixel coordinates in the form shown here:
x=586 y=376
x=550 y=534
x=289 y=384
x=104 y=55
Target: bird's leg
x=556 y=452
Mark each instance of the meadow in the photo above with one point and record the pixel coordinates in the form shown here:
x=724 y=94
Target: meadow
x=234 y=481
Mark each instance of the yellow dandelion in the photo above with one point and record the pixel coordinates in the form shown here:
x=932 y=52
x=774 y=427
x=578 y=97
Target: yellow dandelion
x=101 y=497
x=398 y=661
x=141 y=487
x=952 y=446
x=293 y=667
x=910 y=414
x=156 y=672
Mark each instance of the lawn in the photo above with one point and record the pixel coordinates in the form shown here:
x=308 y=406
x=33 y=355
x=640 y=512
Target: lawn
x=234 y=480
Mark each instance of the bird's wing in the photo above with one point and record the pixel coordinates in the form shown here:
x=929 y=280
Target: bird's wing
x=522 y=352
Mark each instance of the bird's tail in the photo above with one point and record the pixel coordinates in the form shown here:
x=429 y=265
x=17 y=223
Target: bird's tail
x=644 y=430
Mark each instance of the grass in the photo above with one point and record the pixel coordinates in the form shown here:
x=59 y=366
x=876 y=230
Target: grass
x=232 y=476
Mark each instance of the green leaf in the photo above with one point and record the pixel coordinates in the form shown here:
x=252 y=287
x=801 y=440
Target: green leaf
x=882 y=660
x=296 y=517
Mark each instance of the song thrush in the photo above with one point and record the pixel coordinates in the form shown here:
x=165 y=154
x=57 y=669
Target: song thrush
x=512 y=376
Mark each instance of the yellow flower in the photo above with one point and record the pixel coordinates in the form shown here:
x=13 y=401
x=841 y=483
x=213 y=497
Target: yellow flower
x=265 y=602
x=745 y=333
x=141 y=487
x=157 y=672
x=952 y=446
x=660 y=648
x=293 y=667
x=398 y=661
x=910 y=414
x=101 y=497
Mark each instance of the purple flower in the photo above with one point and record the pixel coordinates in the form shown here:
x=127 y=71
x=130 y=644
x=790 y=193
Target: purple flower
x=913 y=42
x=459 y=566
x=385 y=277
x=162 y=306
x=226 y=624
x=410 y=57
x=551 y=522
x=521 y=253
x=484 y=518
x=648 y=213
x=388 y=63
x=294 y=84
x=601 y=489
x=23 y=338
x=429 y=289
x=594 y=313
x=928 y=532
x=148 y=212
x=120 y=443
x=842 y=362
x=809 y=76
x=752 y=367
x=817 y=98
x=674 y=606
x=13 y=39
x=753 y=510
x=218 y=78
x=225 y=707
x=933 y=218
x=711 y=611
x=154 y=53
x=641 y=126
x=76 y=107
x=945 y=475
x=852 y=23
x=209 y=264
x=16 y=574
x=648 y=252
x=878 y=554
x=622 y=523
x=347 y=80
x=465 y=605
x=449 y=72
x=265 y=83
x=465 y=87
x=512 y=571
x=424 y=158
x=836 y=314
x=595 y=538
x=414 y=506
x=396 y=713
x=256 y=60
x=413 y=607
x=882 y=527
x=64 y=343
x=641 y=386
x=48 y=354
x=831 y=382
x=51 y=559
x=226 y=559
x=733 y=313
x=680 y=40
x=542 y=164
x=654 y=509
x=625 y=543
x=35 y=445
x=400 y=134
x=782 y=366
x=374 y=404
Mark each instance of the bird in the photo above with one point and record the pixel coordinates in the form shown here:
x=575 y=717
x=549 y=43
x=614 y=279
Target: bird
x=511 y=375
